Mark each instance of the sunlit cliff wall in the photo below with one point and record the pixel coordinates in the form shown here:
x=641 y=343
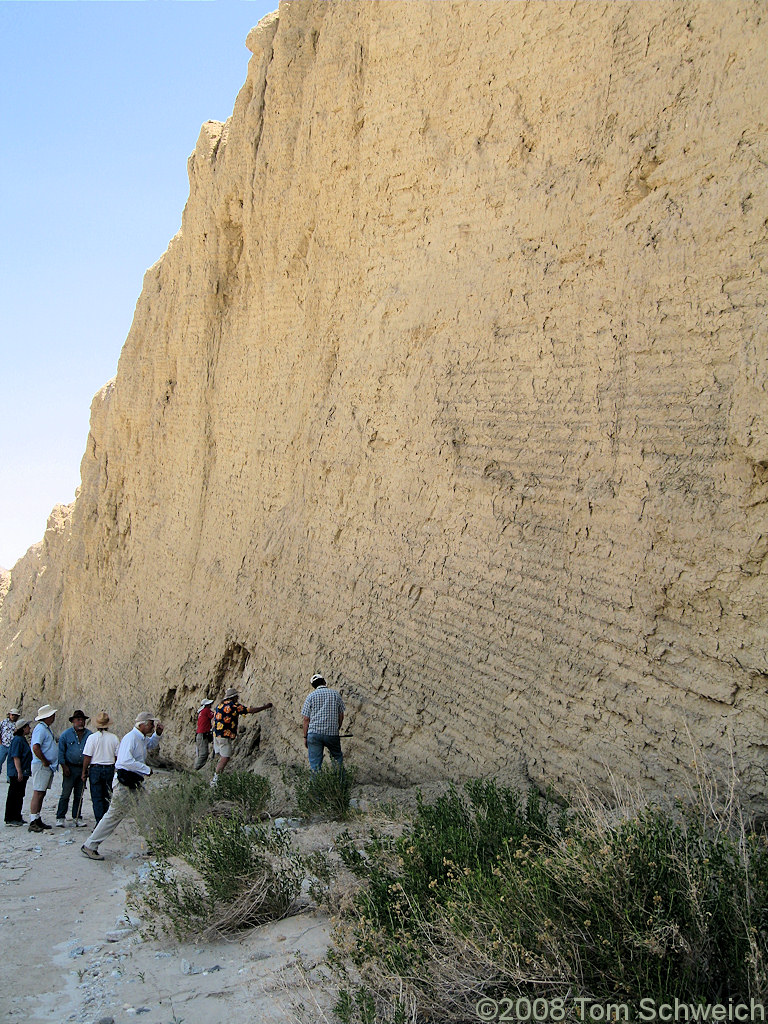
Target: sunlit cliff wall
x=454 y=386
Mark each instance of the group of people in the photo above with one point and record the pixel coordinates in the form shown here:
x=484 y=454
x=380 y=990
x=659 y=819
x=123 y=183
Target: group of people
x=82 y=755
x=322 y=716
x=36 y=754
x=98 y=756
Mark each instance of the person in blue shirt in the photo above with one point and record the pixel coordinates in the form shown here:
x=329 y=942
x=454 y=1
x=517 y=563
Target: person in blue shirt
x=71 y=743
x=19 y=770
x=45 y=761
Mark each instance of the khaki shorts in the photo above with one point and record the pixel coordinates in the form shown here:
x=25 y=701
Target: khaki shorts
x=42 y=778
x=223 y=746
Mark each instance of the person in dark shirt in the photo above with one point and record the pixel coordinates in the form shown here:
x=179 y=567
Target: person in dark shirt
x=19 y=770
x=225 y=719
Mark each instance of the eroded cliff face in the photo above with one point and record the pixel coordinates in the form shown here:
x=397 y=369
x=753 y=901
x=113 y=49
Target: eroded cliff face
x=453 y=386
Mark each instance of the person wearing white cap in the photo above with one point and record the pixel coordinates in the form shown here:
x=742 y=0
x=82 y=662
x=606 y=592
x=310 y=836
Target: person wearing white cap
x=7 y=729
x=322 y=714
x=132 y=769
x=45 y=761
x=204 y=733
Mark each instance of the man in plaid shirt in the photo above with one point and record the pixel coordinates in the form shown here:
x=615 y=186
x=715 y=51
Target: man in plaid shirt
x=323 y=713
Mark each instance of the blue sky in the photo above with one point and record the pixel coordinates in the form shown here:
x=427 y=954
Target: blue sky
x=101 y=104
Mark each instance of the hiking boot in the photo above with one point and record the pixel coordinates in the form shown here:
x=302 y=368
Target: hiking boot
x=43 y=825
x=36 y=826
x=90 y=853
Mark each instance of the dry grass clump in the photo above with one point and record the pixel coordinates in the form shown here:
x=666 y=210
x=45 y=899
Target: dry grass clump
x=228 y=876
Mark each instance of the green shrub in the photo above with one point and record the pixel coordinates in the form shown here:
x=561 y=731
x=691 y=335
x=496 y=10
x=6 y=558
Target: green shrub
x=169 y=813
x=227 y=875
x=489 y=895
x=326 y=792
x=171 y=901
x=249 y=791
x=217 y=871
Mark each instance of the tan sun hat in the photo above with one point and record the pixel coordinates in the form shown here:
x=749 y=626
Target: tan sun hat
x=103 y=720
x=14 y=711
x=45 y=712
x=145 y=717
x=231 y=692
x=18 y=726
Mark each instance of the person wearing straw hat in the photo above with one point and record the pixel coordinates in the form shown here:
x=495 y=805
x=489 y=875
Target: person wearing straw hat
x=132 y=770
x=45 y=761
x=204 y=734
x=99 y=756
x=7 y=729
x=225 y=719
x=71 y=744
x=19 y=770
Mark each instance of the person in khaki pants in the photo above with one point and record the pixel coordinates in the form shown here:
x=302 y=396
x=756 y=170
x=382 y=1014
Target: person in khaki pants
x=132 y=769
x=204 y=734
x=225 y=719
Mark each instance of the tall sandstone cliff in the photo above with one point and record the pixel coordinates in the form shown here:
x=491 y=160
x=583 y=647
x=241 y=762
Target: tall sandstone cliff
x=454 y=386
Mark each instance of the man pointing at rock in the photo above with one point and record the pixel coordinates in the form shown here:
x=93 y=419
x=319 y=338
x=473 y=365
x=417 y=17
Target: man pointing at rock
x=225 y=719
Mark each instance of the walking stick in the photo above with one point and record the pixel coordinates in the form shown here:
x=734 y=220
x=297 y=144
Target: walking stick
x=76 y=816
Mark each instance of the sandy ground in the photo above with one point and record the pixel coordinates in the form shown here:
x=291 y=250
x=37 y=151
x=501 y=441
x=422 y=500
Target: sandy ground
x=71 y=953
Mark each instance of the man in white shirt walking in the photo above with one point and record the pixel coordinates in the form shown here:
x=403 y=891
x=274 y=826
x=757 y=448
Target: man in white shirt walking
x=132 y=769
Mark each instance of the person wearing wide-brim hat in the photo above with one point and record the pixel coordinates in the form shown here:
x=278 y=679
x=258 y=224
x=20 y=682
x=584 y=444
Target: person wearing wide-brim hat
x=203 y=733
x=45 y=761
x=99 y=755
x=7 y=727
x=71 y=744
x=19 y=770
x=225 y=719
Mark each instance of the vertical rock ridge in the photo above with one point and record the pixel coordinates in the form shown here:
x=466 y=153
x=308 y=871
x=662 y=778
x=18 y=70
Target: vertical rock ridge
x=452 y=385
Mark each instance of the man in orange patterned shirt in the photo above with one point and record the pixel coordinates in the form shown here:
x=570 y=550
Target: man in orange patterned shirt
x=225 y=727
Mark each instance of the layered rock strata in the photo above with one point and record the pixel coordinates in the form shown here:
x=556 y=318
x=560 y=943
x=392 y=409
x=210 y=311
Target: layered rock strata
x=453 y=385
